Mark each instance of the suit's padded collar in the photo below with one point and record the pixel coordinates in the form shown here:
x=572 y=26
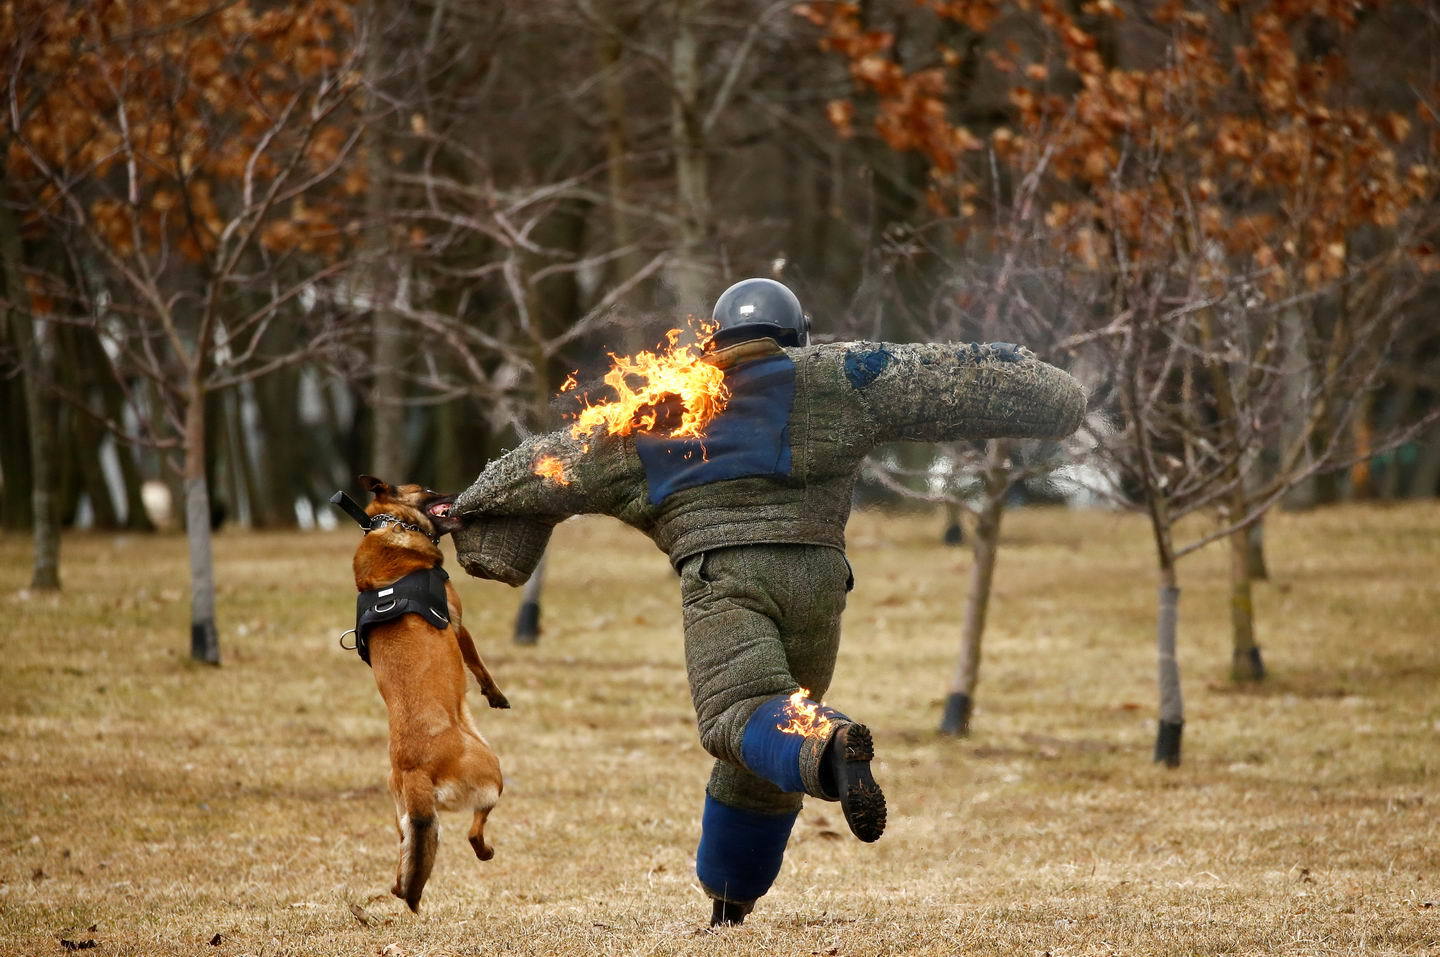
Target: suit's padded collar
x=728 y=356
x=418 y=593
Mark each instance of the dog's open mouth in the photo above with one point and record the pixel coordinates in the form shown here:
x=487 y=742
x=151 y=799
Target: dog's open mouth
x=442 y=514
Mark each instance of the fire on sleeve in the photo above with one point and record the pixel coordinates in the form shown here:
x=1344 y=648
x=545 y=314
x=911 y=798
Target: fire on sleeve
x=550 y=467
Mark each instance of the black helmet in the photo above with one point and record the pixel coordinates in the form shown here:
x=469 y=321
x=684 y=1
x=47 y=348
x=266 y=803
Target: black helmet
x=757 y=308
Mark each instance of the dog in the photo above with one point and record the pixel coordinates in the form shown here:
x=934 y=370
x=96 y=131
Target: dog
x=438 y=759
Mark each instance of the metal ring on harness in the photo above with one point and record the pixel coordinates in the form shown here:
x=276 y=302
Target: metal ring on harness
x=382 y=609
x=341 y=639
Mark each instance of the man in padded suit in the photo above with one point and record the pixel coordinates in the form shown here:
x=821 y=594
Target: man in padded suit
x=754 y=522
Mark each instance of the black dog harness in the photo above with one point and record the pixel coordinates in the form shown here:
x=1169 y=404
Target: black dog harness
x=418 y=593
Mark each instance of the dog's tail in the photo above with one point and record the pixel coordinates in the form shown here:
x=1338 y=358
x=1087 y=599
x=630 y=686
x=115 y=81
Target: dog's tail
x=419 y=836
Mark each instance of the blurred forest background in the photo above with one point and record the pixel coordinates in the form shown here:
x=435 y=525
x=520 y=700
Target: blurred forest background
x=252 y=249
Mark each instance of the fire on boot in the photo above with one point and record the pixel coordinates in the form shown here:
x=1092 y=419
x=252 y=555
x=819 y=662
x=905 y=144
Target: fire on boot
x=806 y=718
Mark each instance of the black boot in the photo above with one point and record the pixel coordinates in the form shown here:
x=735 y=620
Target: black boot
x=727 y=913
x=845 y=773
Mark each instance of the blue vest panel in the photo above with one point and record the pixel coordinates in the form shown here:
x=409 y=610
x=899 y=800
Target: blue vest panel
x=751 y=437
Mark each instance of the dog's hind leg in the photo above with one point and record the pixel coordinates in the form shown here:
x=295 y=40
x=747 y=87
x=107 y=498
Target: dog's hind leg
x=488 y=687
x=419 y=837
x=477 y=834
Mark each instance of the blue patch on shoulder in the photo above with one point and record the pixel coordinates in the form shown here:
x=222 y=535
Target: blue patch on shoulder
x=1005 y=351
x=863 y=368
x=750 y=438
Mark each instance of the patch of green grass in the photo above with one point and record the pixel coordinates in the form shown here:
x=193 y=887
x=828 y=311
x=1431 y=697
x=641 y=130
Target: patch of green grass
x=165 y=803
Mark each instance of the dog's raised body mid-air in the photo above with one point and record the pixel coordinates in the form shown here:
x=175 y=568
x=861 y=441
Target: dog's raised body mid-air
x=438 y=759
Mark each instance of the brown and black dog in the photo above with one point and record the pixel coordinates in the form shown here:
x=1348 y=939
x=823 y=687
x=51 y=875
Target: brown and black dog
x=438 y=759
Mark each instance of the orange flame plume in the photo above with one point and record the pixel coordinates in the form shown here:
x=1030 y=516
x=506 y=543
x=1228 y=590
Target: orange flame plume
x=805 y=717
x=551 y=468
x=672 y=373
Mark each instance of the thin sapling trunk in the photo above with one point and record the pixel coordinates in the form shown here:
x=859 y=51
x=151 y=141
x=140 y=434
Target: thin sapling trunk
x=1172 y=703
x=960 y=701
x=204 y=637
x=527 y=621
x=954 y=532
x=1255 y=551
x=1246 y=663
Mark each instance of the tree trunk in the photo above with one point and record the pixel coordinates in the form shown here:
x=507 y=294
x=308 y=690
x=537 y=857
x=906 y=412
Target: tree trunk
x=1362 y=435
x=35 y=359
x=389 y=458
x=89 y=438
x=1172 y=702
x=1425 y=480
x=954 y=533
x=691 y=272
x=1255 y=551
x=617 y=149
x=43 y=478
x=281 y=468
x=446 y=471
x=79 y=357
x=16 y=512
x=527 y=621
x=1245 y=661
x=113 y=404
x=204 y=638
x=960 y=701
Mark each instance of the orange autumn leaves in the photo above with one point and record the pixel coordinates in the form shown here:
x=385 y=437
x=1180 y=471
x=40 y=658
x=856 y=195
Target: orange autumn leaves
x=175 y=120
x=1227 y=133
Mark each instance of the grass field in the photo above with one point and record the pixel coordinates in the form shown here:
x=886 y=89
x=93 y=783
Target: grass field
x=156 y=807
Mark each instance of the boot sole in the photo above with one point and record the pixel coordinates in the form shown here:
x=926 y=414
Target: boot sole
x=861 y=799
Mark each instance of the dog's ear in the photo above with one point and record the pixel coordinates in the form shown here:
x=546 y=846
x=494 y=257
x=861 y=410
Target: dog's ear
x=374 y=486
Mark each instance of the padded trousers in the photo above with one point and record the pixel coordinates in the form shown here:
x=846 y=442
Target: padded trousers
x=760 y=621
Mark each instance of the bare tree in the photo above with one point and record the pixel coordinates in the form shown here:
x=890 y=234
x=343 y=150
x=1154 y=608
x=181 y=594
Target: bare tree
x=198 y=211
x=32 y=342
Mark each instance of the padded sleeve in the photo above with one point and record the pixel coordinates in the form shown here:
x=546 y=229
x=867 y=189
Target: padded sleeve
x=511 y=508
x=929 y=392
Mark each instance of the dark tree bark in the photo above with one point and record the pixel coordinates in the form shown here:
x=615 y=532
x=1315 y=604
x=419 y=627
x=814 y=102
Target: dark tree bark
x=16 y=513
x=39 y=414
x=954 y=533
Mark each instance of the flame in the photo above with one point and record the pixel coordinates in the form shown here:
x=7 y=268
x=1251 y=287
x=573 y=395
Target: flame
x=642 y=382
x=805 y=716
x=550 y=467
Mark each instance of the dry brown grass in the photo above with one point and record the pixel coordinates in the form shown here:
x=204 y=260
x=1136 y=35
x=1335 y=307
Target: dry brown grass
x=162 y=803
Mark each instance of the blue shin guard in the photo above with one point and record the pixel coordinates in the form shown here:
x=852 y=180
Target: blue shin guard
x=788 y=760
x=740 y=851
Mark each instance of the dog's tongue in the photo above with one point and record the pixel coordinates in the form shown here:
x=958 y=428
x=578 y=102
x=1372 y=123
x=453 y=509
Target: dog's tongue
x=440 y=509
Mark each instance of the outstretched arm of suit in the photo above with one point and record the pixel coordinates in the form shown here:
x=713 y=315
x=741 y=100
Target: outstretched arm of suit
x=931 y=392
x=516 y=502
